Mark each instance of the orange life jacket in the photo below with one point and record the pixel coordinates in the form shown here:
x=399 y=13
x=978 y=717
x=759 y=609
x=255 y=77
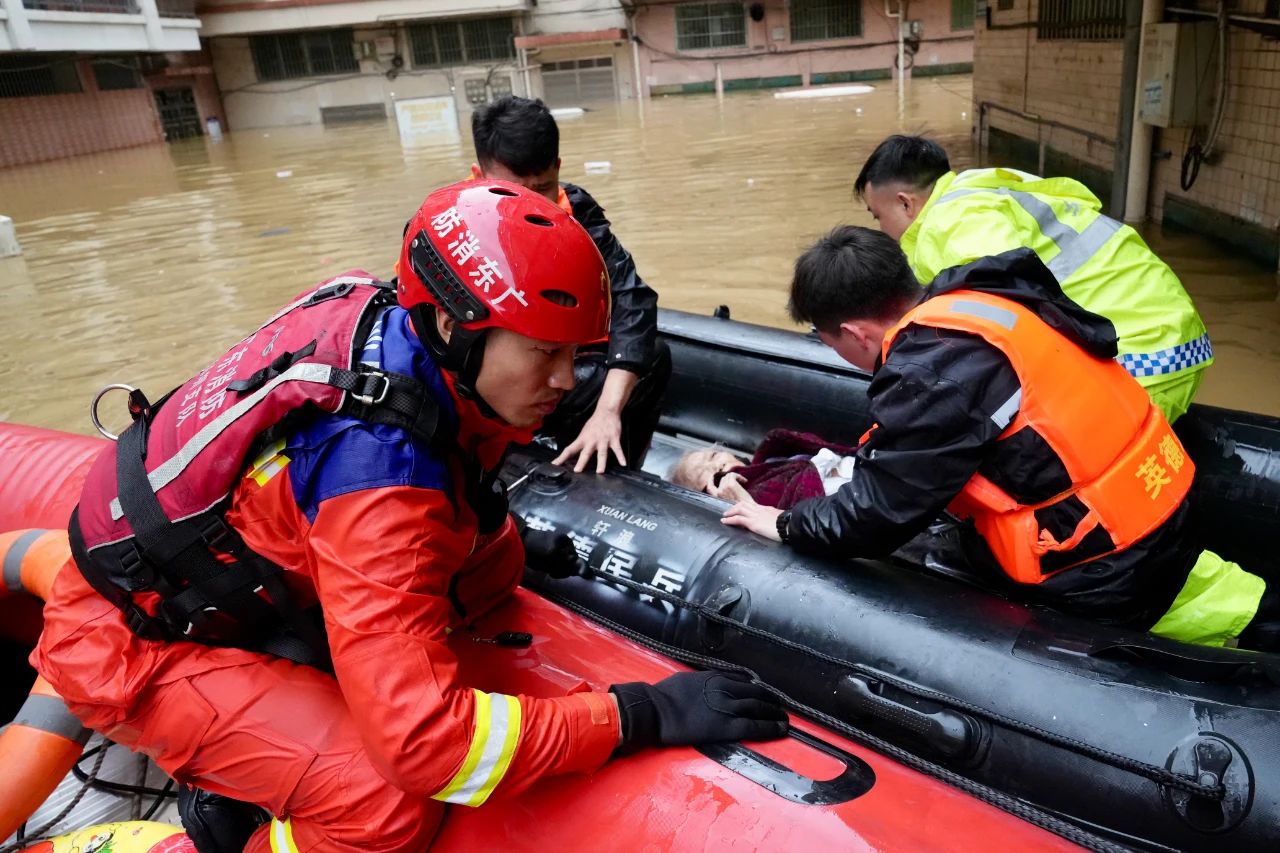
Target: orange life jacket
x=1126 y=465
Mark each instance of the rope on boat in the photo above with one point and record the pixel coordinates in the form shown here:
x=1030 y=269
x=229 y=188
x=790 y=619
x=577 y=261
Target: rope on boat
x=1012 y=805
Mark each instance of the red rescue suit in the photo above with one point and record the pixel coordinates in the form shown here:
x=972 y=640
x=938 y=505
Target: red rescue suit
x=363 y=759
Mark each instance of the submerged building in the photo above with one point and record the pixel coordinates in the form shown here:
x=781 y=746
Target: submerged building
x=79 y=76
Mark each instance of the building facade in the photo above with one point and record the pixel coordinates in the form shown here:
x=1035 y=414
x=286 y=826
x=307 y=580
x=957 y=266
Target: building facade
x=687 y=46
x=1047 y=91
x=79 y=76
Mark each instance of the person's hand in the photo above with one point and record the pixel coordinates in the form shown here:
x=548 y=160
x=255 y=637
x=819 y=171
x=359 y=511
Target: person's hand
x=761 y=520
x=731 y=489
x=601 y=434
x=698 y=707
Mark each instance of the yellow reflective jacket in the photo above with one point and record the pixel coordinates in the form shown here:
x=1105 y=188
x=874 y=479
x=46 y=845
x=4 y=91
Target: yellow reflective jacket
x=1102 y=265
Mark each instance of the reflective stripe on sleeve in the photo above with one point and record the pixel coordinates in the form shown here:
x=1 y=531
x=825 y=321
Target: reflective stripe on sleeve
x=282 y=836
x=1074 y=248
x=1171 y=360
x=493 y=744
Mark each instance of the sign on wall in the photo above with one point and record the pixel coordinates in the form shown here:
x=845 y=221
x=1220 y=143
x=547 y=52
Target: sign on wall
x=427 y=121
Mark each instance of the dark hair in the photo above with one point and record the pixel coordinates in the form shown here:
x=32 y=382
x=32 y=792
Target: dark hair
x=851 y=274
x=518 y=133
x=911 y=160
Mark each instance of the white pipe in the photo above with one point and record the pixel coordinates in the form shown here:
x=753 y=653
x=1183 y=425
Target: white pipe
x=1140 y=138
x=901 y=55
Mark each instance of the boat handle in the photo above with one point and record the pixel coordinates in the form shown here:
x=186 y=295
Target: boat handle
x=953 y=734
x=856 y=779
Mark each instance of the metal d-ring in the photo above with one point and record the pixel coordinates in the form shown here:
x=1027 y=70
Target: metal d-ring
x=93 y=407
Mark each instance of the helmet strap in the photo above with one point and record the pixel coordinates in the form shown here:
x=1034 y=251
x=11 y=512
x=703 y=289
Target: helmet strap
x=461 y=355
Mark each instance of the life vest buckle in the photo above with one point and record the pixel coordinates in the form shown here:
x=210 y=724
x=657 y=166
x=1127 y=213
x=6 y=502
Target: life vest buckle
x=369 y=398
x=136 y=568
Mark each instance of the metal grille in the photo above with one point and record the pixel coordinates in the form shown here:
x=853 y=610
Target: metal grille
x=458 y=42
x=304 y=54
x=815 y=20
x=962 y=14
x=178 y=113
x=1081 y=20
x=25 y=76
x=176 y=8
x=705 y=25
x=583 y=81
x=127 y=7
x=117 y=73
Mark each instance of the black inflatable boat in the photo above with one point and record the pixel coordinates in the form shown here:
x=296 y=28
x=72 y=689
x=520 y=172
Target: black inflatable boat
x=1152 y=743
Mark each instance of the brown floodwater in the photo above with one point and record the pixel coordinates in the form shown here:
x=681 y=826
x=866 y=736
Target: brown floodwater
x=141 y=265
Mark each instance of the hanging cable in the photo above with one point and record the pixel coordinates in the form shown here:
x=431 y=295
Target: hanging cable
x=1198 y=152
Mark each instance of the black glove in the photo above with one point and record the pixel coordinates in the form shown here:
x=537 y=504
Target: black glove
x=698 y=707
x=551 y=553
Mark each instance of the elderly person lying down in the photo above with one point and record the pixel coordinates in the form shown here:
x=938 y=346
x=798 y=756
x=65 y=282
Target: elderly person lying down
x=787 y=467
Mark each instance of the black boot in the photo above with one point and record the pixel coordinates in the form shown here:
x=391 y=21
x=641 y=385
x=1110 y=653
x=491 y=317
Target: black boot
x=218 y=824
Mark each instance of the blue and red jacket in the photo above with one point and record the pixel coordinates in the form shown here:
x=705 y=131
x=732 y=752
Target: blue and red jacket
x=372 y=524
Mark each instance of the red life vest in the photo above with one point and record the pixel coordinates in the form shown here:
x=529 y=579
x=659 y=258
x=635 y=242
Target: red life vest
x=1126 y=465
x=149 y=534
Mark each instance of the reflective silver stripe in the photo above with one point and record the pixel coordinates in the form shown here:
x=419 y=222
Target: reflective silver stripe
x=1005 y=413
x=13 y=558
x=1074 y=248
x=499 y=724
x=1075 y=251
x=169 y=470
x=50 y=714
x=282 y=836
x=1000 y=316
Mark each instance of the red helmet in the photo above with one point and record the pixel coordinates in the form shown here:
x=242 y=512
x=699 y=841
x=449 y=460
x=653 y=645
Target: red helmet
x=492 y=254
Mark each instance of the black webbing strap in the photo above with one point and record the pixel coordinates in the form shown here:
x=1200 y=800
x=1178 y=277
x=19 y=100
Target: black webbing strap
x=397 y=400
x=180 y=553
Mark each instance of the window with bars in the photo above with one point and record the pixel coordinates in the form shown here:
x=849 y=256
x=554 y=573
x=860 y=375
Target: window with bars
x=1081 y=20
x=24 y=76
x=962 y=14
x=117 y=73
x=458 y=42
x=706 y=25
x=307 y=53
x=816 y=20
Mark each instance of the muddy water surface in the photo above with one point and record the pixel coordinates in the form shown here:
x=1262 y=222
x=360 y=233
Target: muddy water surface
x=141 y=265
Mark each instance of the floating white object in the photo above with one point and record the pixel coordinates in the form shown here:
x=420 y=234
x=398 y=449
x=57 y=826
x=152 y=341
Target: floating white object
x=568 y=112
x=825 y=91
x=8 y=239
x=285 y=173
x=597 y=167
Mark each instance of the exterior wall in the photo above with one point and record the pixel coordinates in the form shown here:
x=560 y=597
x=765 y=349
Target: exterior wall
x=54 y=126
x=1077 y=84
x=621 y=53
x=566 y=16
x=193 y=70
x=250 y=103
x=240 y=17
x=1072 y=83
x=770 y=61
x=1244 y=180
x=72 y=32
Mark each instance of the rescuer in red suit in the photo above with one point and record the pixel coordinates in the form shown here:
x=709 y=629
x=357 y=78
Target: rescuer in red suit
x=376 y=519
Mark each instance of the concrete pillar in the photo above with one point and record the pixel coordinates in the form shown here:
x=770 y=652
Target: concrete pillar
x=8 y=239
x=155 y=34
x=19 y=27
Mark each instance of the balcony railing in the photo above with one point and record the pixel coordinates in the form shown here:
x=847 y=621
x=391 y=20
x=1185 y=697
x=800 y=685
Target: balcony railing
x=177 y=8
x=127 y=7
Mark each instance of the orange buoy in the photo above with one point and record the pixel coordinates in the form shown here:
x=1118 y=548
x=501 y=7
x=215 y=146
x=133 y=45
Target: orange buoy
x=42 y=744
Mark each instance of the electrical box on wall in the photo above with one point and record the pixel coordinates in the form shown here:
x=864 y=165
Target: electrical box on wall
x=1178 y=74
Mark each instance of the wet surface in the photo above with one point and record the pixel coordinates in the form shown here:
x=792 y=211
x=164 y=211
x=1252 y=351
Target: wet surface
x=141 y=265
